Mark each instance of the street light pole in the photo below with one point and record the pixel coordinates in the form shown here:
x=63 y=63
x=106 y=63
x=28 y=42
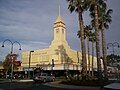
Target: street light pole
x=29 y=64
x=52 y=65
x=11 y=52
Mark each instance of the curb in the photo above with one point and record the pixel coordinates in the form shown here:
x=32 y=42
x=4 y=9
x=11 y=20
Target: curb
x=7 y=81
x=4 y=81
x=29 y=80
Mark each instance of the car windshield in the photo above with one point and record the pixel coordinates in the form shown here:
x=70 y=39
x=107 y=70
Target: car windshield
x=43 y=74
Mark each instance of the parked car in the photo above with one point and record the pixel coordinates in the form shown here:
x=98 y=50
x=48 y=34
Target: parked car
x=43 y=77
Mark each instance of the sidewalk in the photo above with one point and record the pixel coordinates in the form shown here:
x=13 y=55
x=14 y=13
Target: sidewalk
x=73 y=87
x=115 y=86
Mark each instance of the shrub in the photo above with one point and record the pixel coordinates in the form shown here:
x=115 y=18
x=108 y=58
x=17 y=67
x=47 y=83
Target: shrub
x=85 y=81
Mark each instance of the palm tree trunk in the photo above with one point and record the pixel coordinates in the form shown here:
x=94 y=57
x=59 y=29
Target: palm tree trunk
x=6 y=72
x=88 y=55
x=92 y=58
x=97 y=41
x=84 y=62
x=104 y=51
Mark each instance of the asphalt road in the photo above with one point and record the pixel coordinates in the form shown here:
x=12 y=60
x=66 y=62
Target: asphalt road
x=27 y=86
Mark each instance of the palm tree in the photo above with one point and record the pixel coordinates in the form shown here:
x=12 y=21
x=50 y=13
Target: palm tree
x=94 y=12
x=93 y=40
x=104 y=20
x=88 y=33
x=80 y=6
x=61 y=52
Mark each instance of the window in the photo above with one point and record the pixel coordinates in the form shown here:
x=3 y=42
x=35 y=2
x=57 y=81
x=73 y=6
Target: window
x=62 y=30
x=57 y=30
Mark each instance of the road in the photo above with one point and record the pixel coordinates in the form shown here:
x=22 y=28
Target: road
x=27 y=86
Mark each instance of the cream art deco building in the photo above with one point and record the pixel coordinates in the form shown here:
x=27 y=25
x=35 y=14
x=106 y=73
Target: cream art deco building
x=59 y=52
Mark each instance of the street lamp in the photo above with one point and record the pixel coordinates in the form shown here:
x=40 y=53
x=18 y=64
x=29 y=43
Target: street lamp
x=11 y=52
x=29 y=64
x=113 y=45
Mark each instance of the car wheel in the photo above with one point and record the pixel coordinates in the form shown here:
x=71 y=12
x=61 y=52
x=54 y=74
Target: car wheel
x=53 y=79
x=44 y=80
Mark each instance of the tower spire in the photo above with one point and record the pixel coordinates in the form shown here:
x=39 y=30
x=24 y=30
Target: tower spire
x=58 y=7
x=59 y=18
x=59 y=10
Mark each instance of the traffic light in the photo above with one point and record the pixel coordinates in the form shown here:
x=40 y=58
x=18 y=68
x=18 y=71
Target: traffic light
x=53 y=63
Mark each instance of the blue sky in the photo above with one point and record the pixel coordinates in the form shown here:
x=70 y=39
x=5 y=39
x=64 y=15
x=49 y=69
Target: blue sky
x=30 y=22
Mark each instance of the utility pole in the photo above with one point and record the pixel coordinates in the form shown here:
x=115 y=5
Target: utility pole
x=29 y=64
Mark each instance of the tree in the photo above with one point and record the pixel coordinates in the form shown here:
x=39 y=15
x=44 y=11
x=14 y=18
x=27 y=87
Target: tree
x=104 y=19
x=95 y=6
x=88 y=33
x=80 y=6
x=65 y=59
x=113 y=60
x=7 y=63
x=62 y=52
x=93 y=40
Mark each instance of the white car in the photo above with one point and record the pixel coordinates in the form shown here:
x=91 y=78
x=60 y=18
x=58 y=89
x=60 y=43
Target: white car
x=43 y=77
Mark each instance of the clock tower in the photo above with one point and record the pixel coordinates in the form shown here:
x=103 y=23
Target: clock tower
x=59 y=33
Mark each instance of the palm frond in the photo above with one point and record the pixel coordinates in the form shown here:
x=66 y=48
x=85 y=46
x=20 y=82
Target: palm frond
x=106 y=25
x=71 y=8
x=75 y=5
x=78 y=34
x=110 y=11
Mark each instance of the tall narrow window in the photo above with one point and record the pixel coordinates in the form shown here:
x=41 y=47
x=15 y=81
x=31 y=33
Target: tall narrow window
x=57 y=30
x=62 y=30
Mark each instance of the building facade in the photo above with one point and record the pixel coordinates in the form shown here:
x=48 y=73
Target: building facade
x=58 y=56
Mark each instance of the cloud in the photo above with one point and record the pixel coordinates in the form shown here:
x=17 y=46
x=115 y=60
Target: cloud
x=31 y=23
x=33 y=45
x=25 y=46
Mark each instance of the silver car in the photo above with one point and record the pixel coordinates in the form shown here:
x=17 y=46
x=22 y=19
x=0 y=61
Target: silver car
x=43 y=77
